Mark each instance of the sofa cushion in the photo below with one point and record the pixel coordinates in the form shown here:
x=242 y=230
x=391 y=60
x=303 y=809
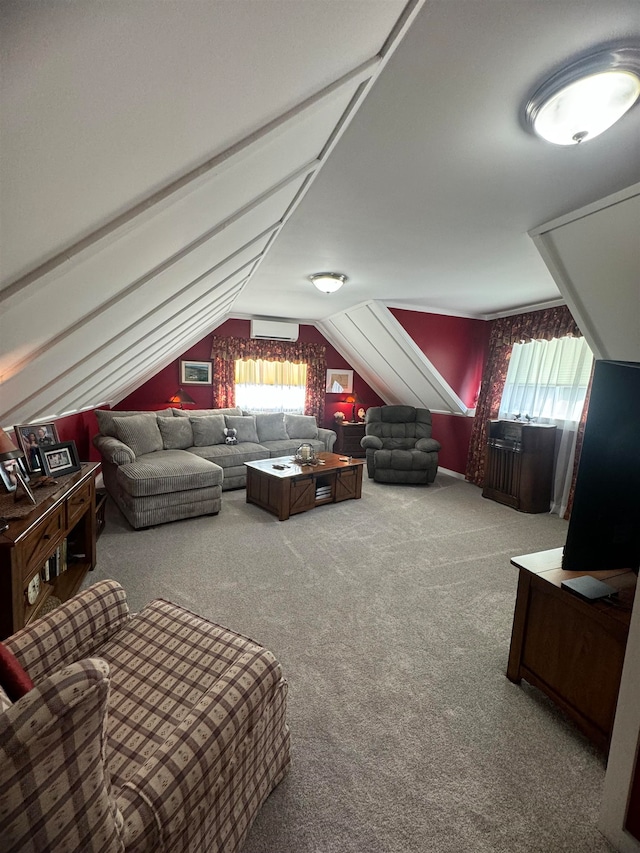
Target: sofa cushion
x=301 y=426
x=167 y=471
x=271 y=427
x=176 y=433
x=209 y=430
x=204 y=413
x=231 y=455
x=139 y=432
x=245 y=426
x=105 y=420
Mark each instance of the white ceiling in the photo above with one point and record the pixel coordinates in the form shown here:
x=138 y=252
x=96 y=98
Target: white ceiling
x=167 y=164
x=428 y=197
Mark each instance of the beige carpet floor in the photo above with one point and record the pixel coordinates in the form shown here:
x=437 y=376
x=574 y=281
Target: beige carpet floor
x=391 y=617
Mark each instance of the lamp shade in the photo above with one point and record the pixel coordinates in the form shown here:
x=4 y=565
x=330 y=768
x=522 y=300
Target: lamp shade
x=328 y=282
x=181 y=397
x=8 y=450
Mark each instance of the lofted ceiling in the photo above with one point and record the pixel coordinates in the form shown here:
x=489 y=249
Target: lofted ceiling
x=167 y=164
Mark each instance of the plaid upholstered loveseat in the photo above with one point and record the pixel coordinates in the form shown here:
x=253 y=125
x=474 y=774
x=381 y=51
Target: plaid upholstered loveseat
x=158 y=731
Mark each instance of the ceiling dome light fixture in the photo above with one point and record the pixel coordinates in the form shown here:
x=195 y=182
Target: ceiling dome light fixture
x=328 y=282
x=587 y=97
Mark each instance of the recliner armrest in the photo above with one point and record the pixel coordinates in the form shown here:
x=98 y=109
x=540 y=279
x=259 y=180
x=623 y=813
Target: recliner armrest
x=113 y=450
x=428 y=445
x=371 y=442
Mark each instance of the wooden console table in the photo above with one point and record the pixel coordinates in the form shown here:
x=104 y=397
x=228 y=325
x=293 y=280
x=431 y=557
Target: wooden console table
x=56 y=541
x=569 y=648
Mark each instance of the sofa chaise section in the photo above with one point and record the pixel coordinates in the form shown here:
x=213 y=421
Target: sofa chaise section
x=149 y=483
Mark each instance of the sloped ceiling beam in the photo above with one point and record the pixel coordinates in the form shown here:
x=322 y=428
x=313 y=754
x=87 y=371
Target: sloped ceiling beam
x=90 y=323
x=387 y=358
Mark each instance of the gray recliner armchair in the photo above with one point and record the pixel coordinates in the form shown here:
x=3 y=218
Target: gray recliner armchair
x=399 y=445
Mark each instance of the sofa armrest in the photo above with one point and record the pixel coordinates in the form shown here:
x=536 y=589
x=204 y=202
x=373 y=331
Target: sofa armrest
x=55 y=791
x=113 y=450
x=187 y=772
x=328 y=436
x=75 y=630
x=428 y=445
x=371 y=442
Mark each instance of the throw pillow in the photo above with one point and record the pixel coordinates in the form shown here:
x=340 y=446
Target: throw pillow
x=176 y=433
x=301 y=426
x=14 y=679
x=105 y=420
x=271 y=427
x=139 y=432
x=207 y=431
x=245 y=427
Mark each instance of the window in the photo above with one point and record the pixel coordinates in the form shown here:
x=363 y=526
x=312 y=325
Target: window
x=547 y=380
x=270 y=386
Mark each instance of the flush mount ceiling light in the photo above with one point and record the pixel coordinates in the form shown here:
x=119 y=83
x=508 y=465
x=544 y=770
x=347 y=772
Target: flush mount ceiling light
x=585 y=98
x=328 y=282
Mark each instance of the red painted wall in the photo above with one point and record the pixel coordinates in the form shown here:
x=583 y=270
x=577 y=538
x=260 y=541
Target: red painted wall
x=155 y=393
x=457 y=347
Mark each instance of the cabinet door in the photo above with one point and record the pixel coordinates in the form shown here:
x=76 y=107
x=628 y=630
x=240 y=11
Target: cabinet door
x=346 y=484
x=302 y=495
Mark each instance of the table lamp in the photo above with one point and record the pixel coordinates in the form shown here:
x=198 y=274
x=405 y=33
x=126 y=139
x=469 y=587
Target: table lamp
x=9 y=451
x=181 y=397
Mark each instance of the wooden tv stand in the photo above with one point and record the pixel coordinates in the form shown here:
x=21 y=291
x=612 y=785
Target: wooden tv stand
x=571 y=649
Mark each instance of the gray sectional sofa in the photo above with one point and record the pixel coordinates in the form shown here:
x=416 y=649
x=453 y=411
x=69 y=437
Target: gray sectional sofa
x=172 y=464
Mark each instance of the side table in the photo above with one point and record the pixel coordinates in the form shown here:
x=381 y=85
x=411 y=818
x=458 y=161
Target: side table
x=569 y=648
x=348 y=442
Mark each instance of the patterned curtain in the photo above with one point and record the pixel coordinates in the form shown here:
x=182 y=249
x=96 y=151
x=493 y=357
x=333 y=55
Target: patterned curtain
x=225 y=351
x=505 y=332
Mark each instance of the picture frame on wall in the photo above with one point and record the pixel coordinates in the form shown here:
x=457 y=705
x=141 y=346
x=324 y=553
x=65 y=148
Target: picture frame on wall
x=60 y=459
x=31 y=438
x=339 y=381
x=195 y=372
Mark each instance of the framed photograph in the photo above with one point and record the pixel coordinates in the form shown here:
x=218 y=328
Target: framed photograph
x=339 y=381
x=59 y=459
x=8 y=473
x=31 y=438
x=195 y=372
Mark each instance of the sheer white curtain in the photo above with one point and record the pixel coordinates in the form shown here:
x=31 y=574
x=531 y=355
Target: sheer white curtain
x=548 y=381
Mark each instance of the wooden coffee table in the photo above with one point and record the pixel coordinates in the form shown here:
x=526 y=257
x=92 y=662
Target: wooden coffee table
x=297 y=488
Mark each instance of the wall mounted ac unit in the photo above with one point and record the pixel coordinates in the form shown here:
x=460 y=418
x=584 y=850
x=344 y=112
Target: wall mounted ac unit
x=274 y=330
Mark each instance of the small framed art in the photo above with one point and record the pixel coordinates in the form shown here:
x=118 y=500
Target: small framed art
x=31 y=438
x=339 y=381
x=59 y=459
x=195 y=372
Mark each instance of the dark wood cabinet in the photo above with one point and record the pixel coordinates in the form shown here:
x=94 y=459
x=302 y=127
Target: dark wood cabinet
x=348 y=441
x=60 y=528
x=519 y=464
x=569 y=648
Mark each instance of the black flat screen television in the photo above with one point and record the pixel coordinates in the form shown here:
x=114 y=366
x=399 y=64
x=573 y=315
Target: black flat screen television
x=604 y=527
